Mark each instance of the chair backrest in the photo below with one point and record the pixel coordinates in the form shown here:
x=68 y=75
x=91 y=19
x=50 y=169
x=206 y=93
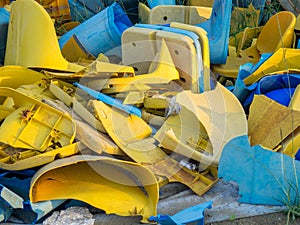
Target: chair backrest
x=217 y=28
x=277 y=33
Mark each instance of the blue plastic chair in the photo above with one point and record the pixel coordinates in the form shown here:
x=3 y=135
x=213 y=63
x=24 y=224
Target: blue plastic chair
x=217 y=28
x=279 y=87
x=101 y=32
x=4 y=20
x=188 y=215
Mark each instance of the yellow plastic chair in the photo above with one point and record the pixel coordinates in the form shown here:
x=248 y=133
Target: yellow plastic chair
x=277 y=33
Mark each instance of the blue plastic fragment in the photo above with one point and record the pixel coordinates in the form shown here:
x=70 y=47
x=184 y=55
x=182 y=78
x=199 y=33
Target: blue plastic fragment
x=188 y=215
x=109 y=100
x=264 y=177
x=102 y=32
x=153 y=3
x=18 y=182
x=5 y=211
x=278 y=87
x=34 y=212
x=9 y=201
x=217 y=28
x=19 y=185
x=4 y=20
x=297 y=156
x=240 y=90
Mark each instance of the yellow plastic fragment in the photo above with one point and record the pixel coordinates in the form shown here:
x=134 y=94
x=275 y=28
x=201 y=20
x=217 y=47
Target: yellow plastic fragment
x=149 y=41
x=282 y=59
x=185 y=135
x=119 y=187
x=31 y=33
x=143 y=12
x=127 y=130
x=206 y=3
x=156 y=103
x=86 y=134
x=231 y=68
x=222 y=121
x=73 y=51
x=277 y=33
x=134 y=97
x=164 y=72
x=203 y=39
x=199 y=182
x=35 y=125
x=60 y=91
x=21 y=159
x=295 y=100
x=164 y=14
x=39 y=90
x=15 y=76
x=131 y=133
x=5 y=111
x=270 y=122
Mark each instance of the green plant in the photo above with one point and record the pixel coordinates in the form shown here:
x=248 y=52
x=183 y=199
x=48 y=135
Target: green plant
x=291 y=199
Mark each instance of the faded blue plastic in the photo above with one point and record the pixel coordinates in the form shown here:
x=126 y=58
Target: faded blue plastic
x=33 y=212
x=8 y=202
x=279 y=87
x=217 y=28
x=19 y=183
x=102 y=32
x=264 y=177
x=109 y=100
x=153 y=3
x=197 y=45
x=240 y=90
x=4 y=20
x=185 y=216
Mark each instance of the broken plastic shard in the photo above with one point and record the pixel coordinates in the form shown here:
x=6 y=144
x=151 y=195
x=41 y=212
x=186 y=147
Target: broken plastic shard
x=270 y=122
x=223 y=121
x=9 y=201
x=131 y=134
x=127 y=188
x=107 y=26
x=264 y=177
x=33 y=124
x=109 y=100
x=165 y=71
x=189 y=215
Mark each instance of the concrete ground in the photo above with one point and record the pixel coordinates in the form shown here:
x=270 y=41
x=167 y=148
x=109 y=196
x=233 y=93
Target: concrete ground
x=174 y=197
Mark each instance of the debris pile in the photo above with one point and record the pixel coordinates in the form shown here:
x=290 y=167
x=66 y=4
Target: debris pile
x=103 y=103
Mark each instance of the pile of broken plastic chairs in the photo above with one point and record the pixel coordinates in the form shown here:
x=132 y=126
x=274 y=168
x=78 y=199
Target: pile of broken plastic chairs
x=107 y=108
